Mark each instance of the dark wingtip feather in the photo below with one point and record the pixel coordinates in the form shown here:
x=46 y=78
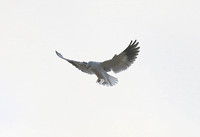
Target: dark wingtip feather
x=59 y=55
x=132 y=50
x=56 y=52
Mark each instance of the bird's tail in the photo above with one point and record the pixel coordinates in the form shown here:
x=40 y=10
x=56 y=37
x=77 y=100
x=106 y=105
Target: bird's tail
x=111 y=81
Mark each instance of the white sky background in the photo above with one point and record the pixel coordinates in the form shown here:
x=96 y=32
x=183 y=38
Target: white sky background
x=44 y=96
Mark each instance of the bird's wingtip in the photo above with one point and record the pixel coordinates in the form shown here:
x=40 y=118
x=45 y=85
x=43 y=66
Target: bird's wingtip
x=58 y=54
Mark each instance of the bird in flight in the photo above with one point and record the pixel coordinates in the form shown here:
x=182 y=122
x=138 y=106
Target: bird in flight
x=117 y=64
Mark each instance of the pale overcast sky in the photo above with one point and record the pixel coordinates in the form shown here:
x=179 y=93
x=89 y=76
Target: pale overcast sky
x=44 y=96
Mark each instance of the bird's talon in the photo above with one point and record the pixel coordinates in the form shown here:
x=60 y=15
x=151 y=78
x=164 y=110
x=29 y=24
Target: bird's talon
x=98 y=80
x=104 y=83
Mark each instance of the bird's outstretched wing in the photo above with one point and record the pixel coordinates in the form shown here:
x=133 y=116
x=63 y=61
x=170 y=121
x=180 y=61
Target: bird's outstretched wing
x=80 y=65
x=123 y=60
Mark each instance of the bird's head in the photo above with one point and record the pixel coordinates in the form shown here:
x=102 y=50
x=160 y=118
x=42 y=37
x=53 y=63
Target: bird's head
x=89 y=64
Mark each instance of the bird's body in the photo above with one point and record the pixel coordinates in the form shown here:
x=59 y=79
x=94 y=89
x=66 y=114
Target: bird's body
x=103 y=77
x=116 y=64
